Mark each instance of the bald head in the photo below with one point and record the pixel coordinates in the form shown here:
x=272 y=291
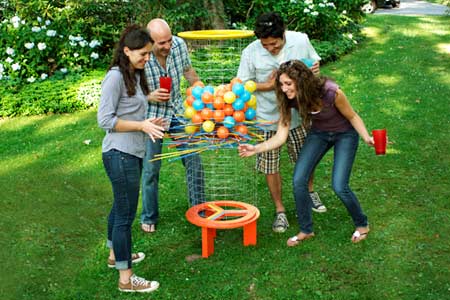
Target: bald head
x=158 y=27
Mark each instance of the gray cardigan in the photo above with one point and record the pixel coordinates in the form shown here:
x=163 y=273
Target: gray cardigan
x=114 y=104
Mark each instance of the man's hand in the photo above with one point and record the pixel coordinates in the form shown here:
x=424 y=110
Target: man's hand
x=159 y=95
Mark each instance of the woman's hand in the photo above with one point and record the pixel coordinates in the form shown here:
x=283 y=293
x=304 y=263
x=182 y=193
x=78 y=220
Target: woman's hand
x=246 y=150
x=159 y=95
x=153 y=127
x=369 y=141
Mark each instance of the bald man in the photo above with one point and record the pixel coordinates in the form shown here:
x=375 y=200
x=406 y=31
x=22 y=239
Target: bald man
x=169 y=57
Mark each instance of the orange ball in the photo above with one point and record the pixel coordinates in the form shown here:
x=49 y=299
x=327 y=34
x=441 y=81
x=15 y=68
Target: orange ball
x=207 y=97
x=218 y=115
x=239 y=116
x=189 y=91
x=206 y=113
x=235 y=80
x=190 y=99
x=198 y=83
x=197 y=118
x=223 y=132
x=220 y=91
x=245 y=107
x=218 y=103
x=241 y=129
x=228 y=109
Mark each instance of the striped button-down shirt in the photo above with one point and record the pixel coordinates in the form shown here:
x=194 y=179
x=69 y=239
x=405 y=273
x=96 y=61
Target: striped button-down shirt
x=177 y=63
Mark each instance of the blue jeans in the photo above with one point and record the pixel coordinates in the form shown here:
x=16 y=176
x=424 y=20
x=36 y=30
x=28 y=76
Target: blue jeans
x=124 y=172
x=150 y=177
x=316 y=146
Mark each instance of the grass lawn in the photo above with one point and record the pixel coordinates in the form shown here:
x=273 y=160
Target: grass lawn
x=55 y=196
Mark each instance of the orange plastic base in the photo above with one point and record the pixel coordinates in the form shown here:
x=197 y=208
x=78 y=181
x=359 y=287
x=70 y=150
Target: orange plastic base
x=211 y=216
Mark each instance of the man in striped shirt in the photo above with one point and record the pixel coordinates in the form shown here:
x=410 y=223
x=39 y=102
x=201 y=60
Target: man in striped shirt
x=170 y=58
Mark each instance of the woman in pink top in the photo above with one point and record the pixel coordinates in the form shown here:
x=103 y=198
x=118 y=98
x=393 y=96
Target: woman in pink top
x=333 y=124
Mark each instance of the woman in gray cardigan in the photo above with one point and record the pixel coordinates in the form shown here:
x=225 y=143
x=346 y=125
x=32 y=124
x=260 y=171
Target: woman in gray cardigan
x=121 y=113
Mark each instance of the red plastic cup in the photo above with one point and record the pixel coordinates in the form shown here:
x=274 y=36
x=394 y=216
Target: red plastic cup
x=379 y=137
x=165 y=83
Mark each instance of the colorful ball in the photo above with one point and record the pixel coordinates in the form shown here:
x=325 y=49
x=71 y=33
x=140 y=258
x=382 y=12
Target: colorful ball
x=198 y=104
x=197 y=92
x=218 y=103
x=223 y=132
x=190 y=99
x=189 y=112
x=228 y=110
x=238 y=104
x=207 y=97
x=252 y=101
x=229 y=122
x=241 y=129
x=250 y=86
x=229 y=97
x=198 y=83
x=245 y=96
x=238 y=89
x=208 y=126
x=239 y=116
x=250 y=114
x=218 y=115
x=235 y=80
x=190 y=129
x=197 y=118
x=209 y=89
x=206 y=113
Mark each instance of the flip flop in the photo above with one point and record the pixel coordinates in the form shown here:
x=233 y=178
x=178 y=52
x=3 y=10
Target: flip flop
x=357 y=236
x=148 y=228
x=295 y=240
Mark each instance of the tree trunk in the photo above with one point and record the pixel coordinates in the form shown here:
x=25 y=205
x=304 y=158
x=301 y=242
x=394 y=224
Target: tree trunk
x=216 y=13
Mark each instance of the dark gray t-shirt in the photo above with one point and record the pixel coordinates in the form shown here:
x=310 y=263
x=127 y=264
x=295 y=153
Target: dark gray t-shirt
x=116 y=104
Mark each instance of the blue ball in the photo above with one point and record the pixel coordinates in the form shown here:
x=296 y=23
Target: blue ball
x=229 y=122
x=210 y=106
x=308 y=62
x=197 y=92
x=250 y=114
x=209 y=88
x=238 y=104
x=238 y=89
x=246 y=95
x=198 y=104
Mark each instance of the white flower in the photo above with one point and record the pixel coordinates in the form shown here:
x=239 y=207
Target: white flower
x=315 y=13
x=35 y=29
x=10 y=51
x=1 y=76
x=23 y=22
x=293 y=1
x=94 y=55
x=15 y=67
x=41 y=46
x=306 y=10
x=311 y=6
x=44 y=76
x=48 y=22
x=73 y=44
x=76 y=54
x=9 y=60
x=83 y=43
x=43 y=27
x=63 y=70
x=308 y=2
x=1 y=68
x=350 y=36
x=331 y=5
x=31 y=79
x=29 y=45
x=94 y=43
x=344 y=12
x=71 y=37
x=322 y=5
x=15 y=19
x=39 y=19
x=51 y=33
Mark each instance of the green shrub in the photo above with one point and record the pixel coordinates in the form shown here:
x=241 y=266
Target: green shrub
x=55 y=95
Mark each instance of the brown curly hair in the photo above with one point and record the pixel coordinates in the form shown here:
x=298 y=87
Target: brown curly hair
x=309 y=91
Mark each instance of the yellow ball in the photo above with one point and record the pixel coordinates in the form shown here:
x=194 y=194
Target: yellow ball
x=252 y=101
x=185 y=104
x=190 y=129
x=250 y=86
x=208 y=126
x=229 y=97
x=189 y=112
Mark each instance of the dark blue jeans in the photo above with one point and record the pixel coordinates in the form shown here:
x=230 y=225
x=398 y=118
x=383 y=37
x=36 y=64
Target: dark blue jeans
x=150 y=177
x=316 y=146
x=124 y=172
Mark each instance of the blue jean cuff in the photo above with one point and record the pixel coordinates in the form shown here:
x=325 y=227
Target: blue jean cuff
x=122 y=265
x=109 y=244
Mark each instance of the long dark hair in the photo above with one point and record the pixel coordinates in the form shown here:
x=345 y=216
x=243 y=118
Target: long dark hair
x=134 y=37
x=309 y=91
